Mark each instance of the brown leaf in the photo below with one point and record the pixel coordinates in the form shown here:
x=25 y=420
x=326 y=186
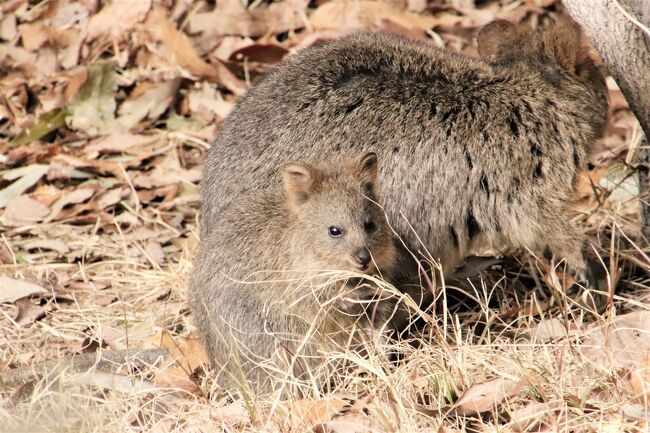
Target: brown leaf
x=178 y=44
x=150 y=104
x=206 y=103
x=34 y=36
x=47 y=244
x=11 y=289
x=117 y=18
x=366 y=14
x=28 y=312
x=8 y=28
x=77 y=196
x=482 y=397
x=187 y=355
x=231 y=17
x=24 y=210
x=265 y=53
x=26 y=178
x=117 y=143
x=625 y=342
x=232 y=414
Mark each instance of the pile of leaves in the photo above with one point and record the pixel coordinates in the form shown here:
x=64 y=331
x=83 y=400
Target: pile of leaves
x=106 y=111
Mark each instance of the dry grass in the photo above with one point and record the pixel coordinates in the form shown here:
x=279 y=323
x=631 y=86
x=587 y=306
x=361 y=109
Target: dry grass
x=114 y=259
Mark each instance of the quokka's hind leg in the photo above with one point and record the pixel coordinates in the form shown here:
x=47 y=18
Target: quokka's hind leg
x=561 y=242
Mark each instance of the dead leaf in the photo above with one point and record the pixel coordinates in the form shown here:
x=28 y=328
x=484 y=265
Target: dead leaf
x=111 y=197
x=92 y=108
x=484 y=396
x=231 y=17
x=186 y=355
x=34 y=36
x=625 y=342
x=28 y=312
x=24 y=210
x=11 y=289
x=530 y=416
x=178 y=44
x=265 y=53
x=27 y=177
x=77 y=196
x=8 y=28
x=551 y=329
x=206 y=102
x=117 y=143
x=45 y=124
x=366 y=14
x=151 y=104
x=47 y=244
x=232 y=414
x=117 y=18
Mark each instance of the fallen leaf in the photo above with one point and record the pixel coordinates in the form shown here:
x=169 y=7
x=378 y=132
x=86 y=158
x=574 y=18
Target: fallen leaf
x=11 y=289
x=551 y=329
x=178 y=44
x=34 y=36
x=92 y=109
x=531 y=415
x=232 y=414
x=625 y=342
x=24 y=210
x=77 y=196
x=28 y=312
x=8 y=28
x=366 y=14
x=111 y=197
x=27 y=177
x=186 y=355
x=117 y=143
x=47 y=244
x=45 y=124
x=484 y=396
x=265 y=53
x=231 y=17
x=117 y=18
x=151 y=104
x=206 y=102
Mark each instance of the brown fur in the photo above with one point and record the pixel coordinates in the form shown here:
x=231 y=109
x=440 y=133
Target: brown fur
x=476 y=152
x=258 y=289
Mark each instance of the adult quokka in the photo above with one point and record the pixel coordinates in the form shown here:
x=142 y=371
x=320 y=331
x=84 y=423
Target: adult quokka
x=477 y=152
x=278 y=285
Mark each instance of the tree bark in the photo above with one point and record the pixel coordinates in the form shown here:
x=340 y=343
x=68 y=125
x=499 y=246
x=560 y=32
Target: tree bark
x=625 y=49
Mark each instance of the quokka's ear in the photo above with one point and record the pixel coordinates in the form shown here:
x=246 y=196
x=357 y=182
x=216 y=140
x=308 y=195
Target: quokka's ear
x=367 y=168
x=564 y=43
x=500 y=38
x=298 y=179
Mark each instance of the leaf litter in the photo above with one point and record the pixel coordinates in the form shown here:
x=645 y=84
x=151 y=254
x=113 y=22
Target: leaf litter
x=106 y=111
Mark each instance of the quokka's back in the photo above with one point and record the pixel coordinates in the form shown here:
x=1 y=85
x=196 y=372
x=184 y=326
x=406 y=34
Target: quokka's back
x=475 y=152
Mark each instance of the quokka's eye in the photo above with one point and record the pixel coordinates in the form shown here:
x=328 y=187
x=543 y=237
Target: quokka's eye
x=335 y=232
x=369 y=226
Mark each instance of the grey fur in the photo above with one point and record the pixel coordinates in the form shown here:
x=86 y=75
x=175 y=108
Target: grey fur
x=264 y=307
x=476 y=152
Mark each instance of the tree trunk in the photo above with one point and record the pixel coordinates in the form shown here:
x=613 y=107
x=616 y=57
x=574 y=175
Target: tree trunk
x=625 y=49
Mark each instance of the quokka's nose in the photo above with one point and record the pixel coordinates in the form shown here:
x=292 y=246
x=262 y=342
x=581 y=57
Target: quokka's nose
x=363 y=256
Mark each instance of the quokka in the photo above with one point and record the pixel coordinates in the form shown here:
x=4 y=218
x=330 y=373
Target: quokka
x=475 y=152
x=267 y=289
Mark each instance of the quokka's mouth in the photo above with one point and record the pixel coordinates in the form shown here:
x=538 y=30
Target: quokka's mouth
x=359 y=267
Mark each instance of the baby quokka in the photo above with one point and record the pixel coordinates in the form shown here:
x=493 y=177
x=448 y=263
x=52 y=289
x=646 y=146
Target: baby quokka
x=277 y=282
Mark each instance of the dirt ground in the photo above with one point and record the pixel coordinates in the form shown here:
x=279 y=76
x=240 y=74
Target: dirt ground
x=106 y=112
